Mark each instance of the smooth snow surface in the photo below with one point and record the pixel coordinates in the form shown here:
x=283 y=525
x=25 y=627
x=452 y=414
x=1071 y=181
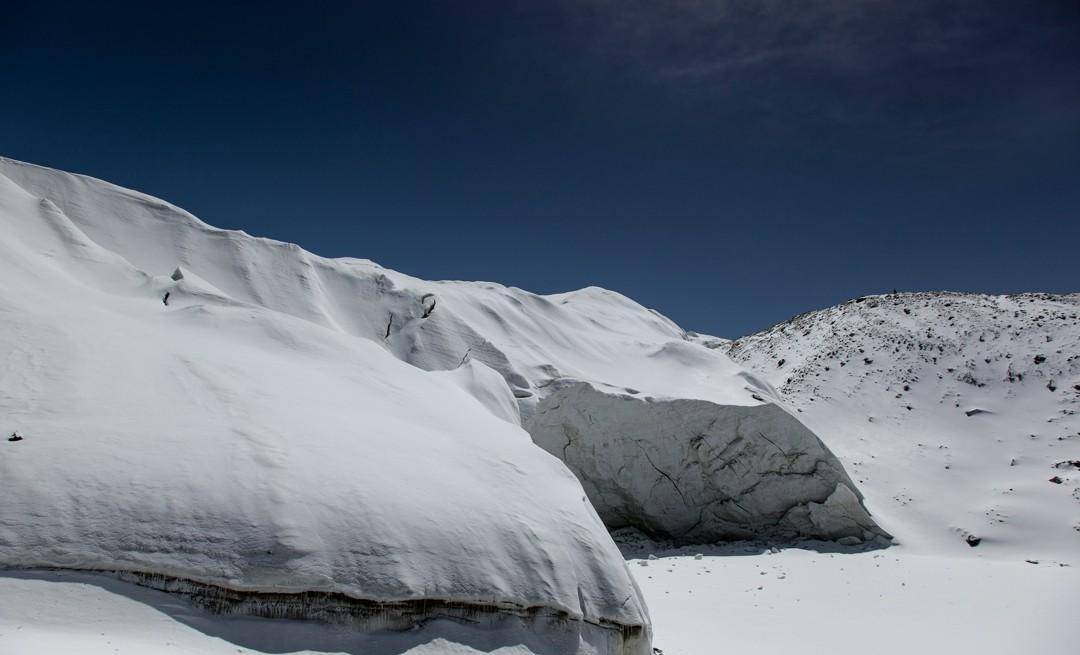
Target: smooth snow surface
x=889 y=602
x=227 y=443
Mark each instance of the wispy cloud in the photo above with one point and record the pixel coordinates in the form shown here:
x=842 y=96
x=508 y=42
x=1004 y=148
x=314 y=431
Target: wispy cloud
x=919 y=61
x=702 y=38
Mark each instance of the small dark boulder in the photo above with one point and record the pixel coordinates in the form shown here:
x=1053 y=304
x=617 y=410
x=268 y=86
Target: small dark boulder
x=1056 y=479
x=972 y=540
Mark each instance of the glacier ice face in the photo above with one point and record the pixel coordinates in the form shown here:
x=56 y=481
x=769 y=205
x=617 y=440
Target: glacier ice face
x=696 y=471
x=537 y=344
x=216 y=443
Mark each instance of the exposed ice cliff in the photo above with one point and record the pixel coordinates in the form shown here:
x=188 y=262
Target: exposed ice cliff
x=697 y=471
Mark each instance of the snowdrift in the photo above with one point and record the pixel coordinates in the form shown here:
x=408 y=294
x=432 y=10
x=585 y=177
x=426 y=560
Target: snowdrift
x=242 y=446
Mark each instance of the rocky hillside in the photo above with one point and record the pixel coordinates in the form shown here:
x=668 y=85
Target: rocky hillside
x=976 y=340
x=955 y=412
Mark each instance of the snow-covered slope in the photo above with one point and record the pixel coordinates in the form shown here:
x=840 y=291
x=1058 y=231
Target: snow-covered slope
x=955 y=413
x=537 y=344
x=228 y=449
x=888 y=602
x=530 y=339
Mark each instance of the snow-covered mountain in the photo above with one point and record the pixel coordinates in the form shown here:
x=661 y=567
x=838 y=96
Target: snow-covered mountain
x=956 y=413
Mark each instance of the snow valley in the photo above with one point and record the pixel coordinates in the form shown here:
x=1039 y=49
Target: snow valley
x=221 y=443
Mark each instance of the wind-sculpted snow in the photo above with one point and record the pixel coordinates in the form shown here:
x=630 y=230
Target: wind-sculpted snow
x=700 y=472
x=536 y=343
x=531 y=340
x=230 y=449
x=954 y=412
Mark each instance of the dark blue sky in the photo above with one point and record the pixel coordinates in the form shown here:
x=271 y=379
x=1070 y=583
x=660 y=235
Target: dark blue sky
x=727 y=163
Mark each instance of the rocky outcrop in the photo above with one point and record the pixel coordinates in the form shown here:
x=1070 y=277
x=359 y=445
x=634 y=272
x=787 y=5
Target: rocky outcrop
x=696 y=471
